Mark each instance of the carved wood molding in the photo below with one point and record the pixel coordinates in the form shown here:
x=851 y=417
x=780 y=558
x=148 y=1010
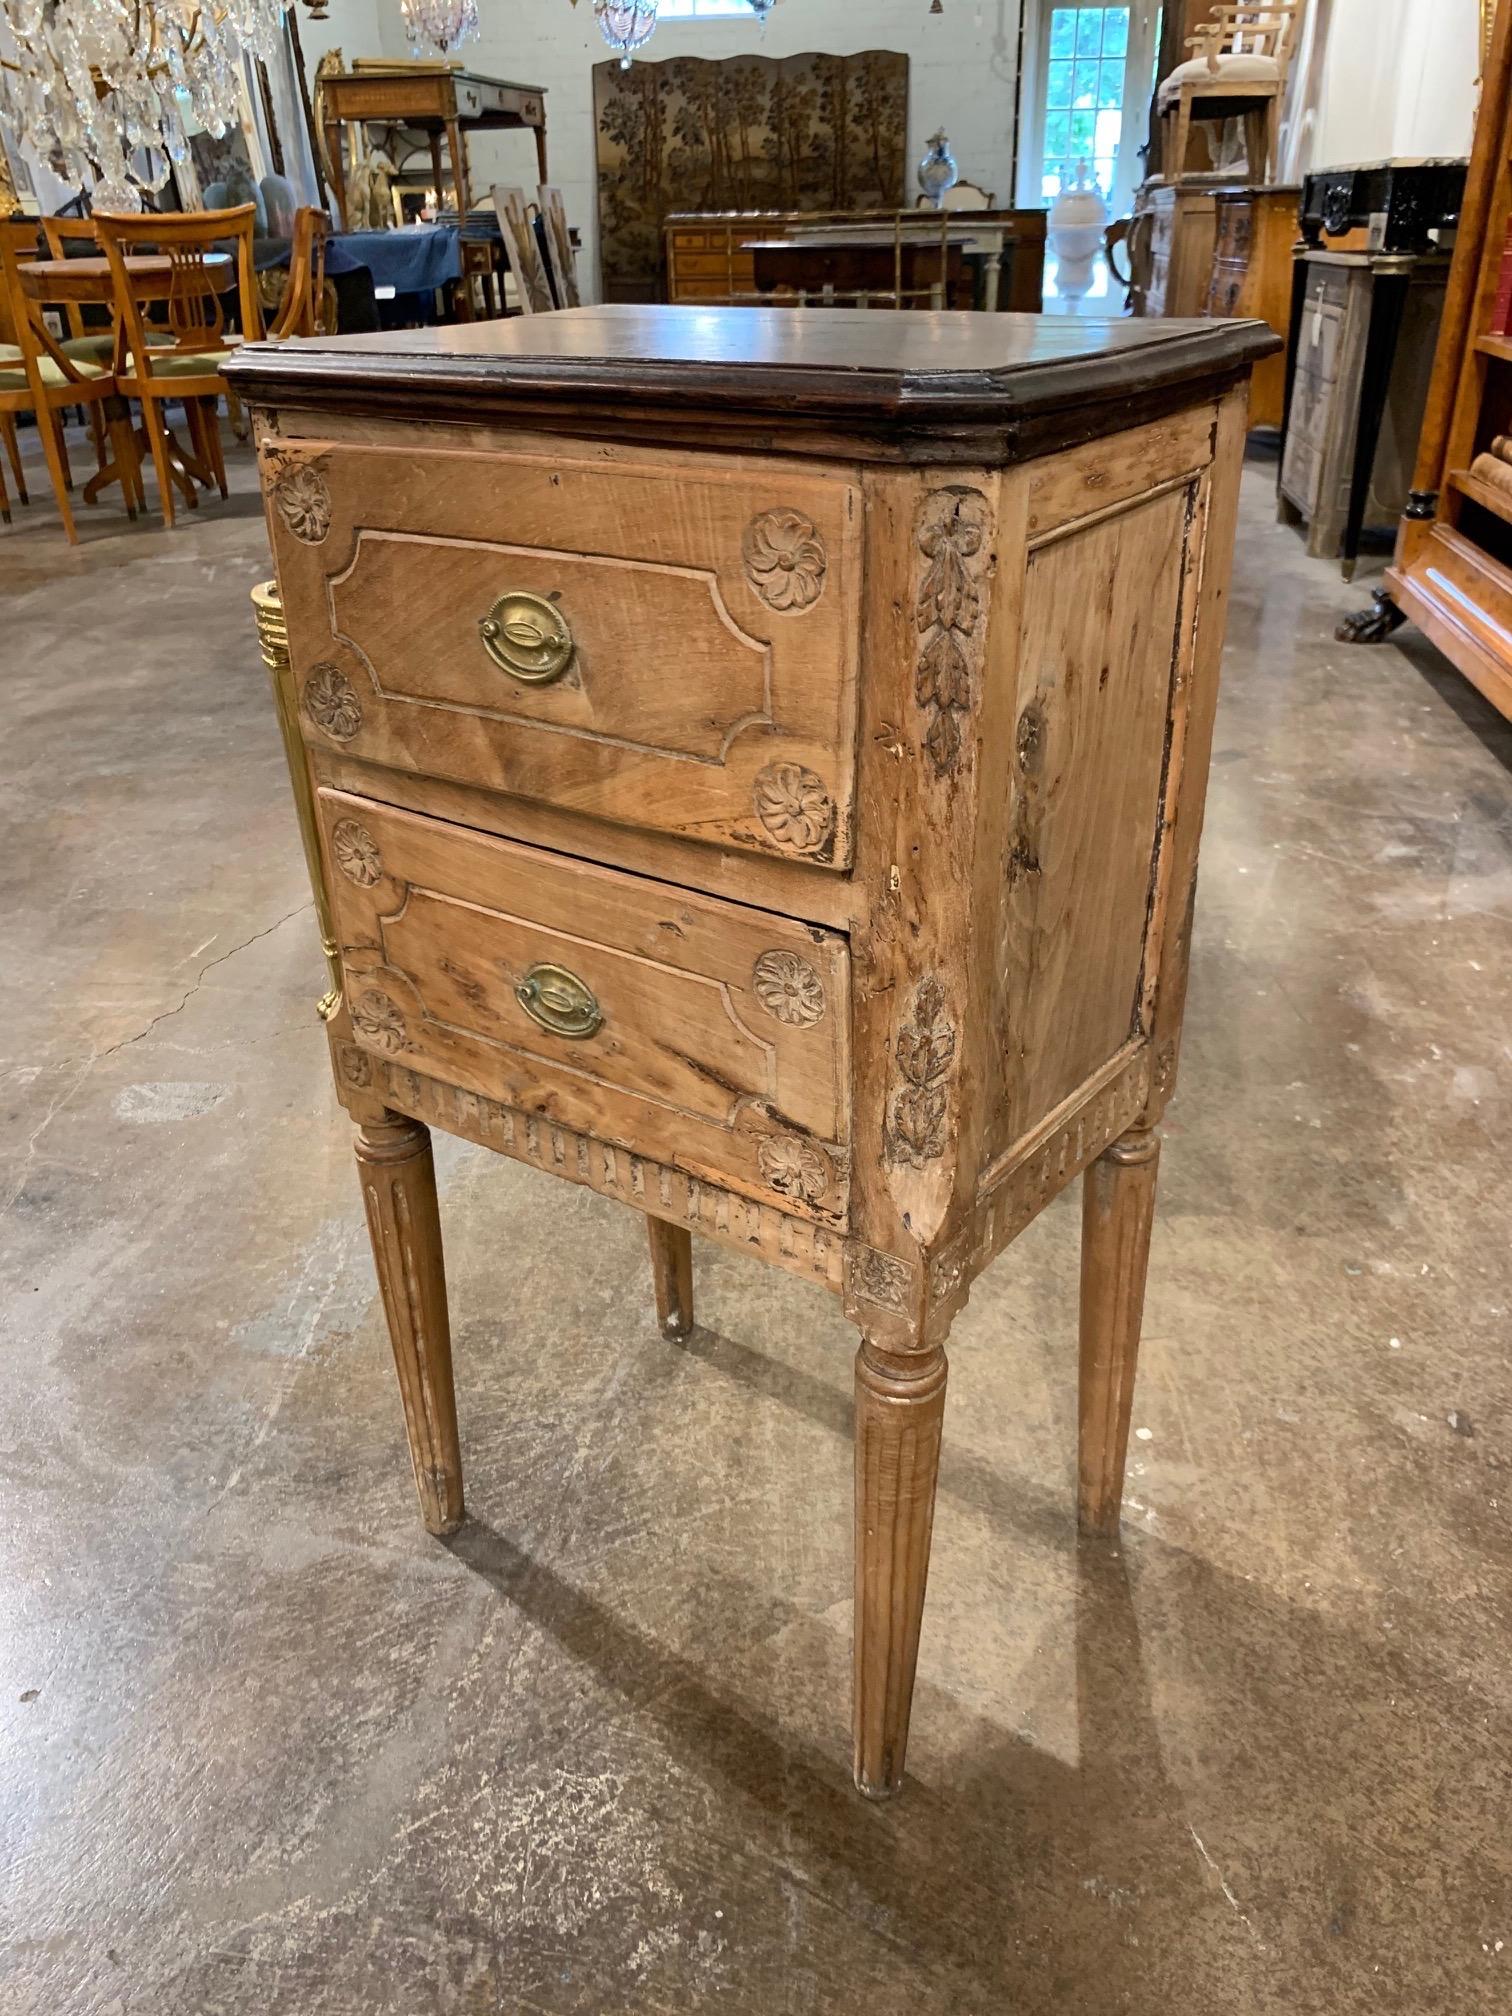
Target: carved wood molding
x=954 y=532
x=663 y=1192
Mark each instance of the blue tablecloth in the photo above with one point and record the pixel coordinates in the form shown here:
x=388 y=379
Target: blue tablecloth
x=414 y=259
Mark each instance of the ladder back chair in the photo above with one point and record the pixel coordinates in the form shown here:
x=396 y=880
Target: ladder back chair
x=180 y=358
x=1239 y=71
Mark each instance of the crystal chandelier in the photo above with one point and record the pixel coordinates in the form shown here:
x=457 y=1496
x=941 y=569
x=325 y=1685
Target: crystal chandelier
x=441 y=25
x=96 y=83
x=625 y=25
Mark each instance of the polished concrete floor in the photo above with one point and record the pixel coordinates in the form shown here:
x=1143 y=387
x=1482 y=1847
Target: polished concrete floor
x=264 y=1747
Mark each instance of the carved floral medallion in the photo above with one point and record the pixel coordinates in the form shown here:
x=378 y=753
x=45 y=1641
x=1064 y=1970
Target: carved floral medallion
x=793 y=1167
x=879 y=1278
x=356 y=853
x=379 y=1020
x=954 y=527
x=925 y=1050
x=331 y=703
x=785 y=561
x=302 y=499
x=356 y=1066
x=794 y=807
x=787 y=986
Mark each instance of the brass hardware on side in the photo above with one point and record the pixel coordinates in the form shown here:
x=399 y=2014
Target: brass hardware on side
x=559 y=1001
x=273 y=637
x=527 y=637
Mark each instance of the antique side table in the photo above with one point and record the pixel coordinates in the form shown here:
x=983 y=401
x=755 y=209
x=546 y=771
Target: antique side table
x=751 y=763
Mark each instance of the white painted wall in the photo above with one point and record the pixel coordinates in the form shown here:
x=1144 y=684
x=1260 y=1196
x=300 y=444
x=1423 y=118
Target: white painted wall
x=962 y=64
x=1396 y=79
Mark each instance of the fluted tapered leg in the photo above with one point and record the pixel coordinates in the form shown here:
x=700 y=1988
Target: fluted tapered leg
x=1118 y=1210
x=672 y=1274
x=900 y=1403
x=399 y=1194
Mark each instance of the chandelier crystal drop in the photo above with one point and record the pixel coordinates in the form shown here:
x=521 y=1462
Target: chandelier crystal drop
x=626 y=25
x=97 y=87
x=439 y=25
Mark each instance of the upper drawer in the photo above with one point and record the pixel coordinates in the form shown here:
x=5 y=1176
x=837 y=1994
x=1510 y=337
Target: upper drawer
x=665 y=648
x=689 y=1030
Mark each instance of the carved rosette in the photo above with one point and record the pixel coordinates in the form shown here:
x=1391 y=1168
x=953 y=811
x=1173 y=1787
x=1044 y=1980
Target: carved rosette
x=794 y=807
x=788 y=988
x=785 y=561
x=355 y=1065
x=356 y=853
x=378 y=1018
x=794 y=1167
x=953 y=533
x=925 y=1051
x=302 y=499
x=331 y=702
x=880 y=1279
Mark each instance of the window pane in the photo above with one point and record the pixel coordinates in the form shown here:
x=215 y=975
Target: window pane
x=1058 y=84
x=1084 y=84
x=1083 y=129
x=1063 y=31
x=1110 y=88
x=1116 y=32
x=1108 y=133
x=1088 y=30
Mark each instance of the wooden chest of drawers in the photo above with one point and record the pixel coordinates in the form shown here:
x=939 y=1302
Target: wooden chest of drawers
x=1252 y=275
x=752 y=765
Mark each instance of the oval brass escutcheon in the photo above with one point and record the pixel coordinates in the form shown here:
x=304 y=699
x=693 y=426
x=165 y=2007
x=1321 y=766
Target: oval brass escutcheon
x=527 y=637
x=559 y=1001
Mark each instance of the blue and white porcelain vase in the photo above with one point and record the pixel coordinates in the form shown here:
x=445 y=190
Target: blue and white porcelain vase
x=938 y=171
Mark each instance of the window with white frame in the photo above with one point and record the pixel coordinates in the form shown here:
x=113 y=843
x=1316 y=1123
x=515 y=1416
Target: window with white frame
x=1093 y=63
x=703 y=10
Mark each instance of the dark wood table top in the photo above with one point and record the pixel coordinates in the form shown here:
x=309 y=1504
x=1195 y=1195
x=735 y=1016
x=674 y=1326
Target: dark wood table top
x=923 y=385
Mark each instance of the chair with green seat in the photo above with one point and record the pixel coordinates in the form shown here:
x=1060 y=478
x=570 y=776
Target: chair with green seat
x=184 y=364
x=41 y=379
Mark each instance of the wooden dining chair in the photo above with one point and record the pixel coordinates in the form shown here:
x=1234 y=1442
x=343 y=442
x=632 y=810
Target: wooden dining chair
x=302 y=310
x=1243 y=54
x=180 y=359
x=38 y=377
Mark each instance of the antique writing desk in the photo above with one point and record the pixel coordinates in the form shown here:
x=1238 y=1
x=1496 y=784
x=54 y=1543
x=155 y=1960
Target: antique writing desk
x=751 y=763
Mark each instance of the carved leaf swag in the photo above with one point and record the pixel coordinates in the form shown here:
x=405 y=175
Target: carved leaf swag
x=953 y=530
x=925 y=1051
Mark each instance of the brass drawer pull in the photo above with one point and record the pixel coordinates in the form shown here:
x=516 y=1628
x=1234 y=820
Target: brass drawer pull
x=559 y=1001
x=527 y=637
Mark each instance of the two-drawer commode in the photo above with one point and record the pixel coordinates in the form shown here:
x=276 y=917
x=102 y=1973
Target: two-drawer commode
x=751 y=763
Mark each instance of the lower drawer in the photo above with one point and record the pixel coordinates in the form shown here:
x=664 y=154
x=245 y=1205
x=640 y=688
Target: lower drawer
x=696 y=1032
